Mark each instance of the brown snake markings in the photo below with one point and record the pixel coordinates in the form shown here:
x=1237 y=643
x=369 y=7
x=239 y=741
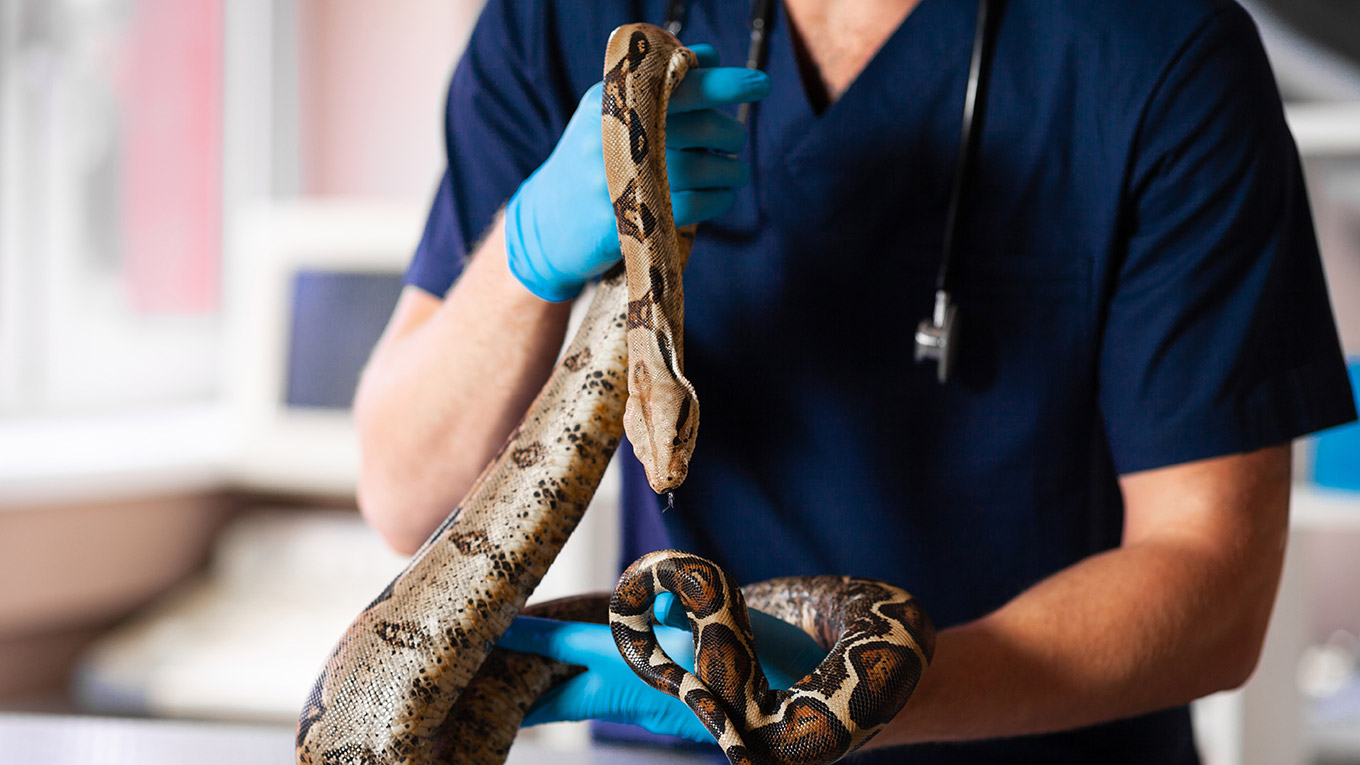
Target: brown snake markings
x=879 y=642
x=416 y=678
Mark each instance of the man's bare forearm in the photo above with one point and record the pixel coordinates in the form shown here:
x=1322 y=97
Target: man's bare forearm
x=444 y=388
x=1100 y=641
x=1178 y=612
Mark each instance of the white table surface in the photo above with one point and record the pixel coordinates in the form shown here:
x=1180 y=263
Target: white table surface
x=80 y=740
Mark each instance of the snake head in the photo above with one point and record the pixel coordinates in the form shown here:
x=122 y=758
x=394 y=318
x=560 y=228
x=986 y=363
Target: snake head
x=661 y=419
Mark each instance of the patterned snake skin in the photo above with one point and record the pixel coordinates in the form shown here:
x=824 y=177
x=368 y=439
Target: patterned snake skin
x=641 y=68
x=416 y=678
x=879 y=641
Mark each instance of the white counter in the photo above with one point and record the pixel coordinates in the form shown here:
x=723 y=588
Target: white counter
x=73 y=740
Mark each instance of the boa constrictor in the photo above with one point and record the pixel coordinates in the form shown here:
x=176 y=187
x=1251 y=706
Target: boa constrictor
x=416 y=678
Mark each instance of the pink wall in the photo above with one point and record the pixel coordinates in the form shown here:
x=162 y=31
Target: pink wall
x=372 y=78
x=172 y=155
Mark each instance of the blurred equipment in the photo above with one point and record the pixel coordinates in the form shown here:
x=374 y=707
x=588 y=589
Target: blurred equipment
x=244 y=640
x=313 y=283
x=1314 y=46
x=1334 y=24
x=337 y=318
x=1329 y=675
x=1329 y=681
x=1336 y=461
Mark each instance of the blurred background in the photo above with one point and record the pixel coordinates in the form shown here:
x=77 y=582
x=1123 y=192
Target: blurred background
x=205 y=210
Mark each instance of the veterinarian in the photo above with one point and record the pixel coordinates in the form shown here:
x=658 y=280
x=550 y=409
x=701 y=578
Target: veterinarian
x=1093 y=508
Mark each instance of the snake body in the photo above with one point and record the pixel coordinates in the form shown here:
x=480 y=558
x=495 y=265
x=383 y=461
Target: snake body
x=416 y=677
x=662 y=413
x=878 y=638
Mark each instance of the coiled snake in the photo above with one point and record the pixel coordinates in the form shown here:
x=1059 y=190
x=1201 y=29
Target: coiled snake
x=416 y=677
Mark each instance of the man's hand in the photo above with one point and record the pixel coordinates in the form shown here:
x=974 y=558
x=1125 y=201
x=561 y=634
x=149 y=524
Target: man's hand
x=559 y=226
x=609 y=690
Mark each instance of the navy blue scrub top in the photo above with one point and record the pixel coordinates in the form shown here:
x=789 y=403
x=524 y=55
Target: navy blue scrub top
x=1139 y=286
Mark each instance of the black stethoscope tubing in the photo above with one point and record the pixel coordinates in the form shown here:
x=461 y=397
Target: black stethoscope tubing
x=937 y=335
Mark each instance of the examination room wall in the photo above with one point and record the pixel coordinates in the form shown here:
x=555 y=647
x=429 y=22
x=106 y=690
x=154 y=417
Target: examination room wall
x=173 y=176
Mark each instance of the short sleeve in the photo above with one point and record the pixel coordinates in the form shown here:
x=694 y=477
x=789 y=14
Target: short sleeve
x=1219 y=336
x=502 y=119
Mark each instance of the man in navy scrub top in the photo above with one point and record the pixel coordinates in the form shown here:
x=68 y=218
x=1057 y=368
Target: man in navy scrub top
x=1093 y=510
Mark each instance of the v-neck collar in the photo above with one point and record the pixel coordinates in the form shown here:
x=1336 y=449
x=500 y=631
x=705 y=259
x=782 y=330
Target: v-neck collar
x=925 y=49
x=926 y=29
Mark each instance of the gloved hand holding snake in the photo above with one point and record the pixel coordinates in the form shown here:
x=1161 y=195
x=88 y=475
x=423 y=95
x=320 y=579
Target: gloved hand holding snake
x=417 y=677
x=559 y=226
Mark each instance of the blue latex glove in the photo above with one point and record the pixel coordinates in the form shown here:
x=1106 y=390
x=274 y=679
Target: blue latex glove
x=609 y=690
x=559 y=225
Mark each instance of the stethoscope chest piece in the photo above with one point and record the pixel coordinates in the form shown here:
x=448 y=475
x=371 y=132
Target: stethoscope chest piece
x=937 y=337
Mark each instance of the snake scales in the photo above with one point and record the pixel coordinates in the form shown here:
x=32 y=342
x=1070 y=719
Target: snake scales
x=416 y=677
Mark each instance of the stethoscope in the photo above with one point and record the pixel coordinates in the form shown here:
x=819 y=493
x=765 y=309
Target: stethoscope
x=937 y=336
